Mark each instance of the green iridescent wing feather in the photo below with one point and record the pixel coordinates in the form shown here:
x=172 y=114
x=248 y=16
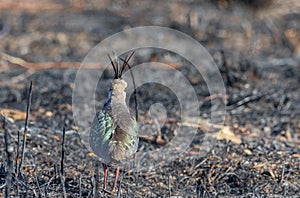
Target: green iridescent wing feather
x=113 y=142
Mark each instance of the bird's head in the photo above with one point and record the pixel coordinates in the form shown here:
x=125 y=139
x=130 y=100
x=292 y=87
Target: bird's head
x=119 y=85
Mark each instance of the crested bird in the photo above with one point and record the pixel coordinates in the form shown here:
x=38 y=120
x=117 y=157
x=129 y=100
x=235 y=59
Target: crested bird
x=113 y=135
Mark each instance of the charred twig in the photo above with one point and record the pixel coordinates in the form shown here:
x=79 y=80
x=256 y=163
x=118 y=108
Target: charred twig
x=61 y=173
x=245 y=101
x=17 y=160
x=96 y=181
x=62 y=180
x=8 y=150
x=62 y=152
x=94 y=191
x=25 y=127
x=226 y=69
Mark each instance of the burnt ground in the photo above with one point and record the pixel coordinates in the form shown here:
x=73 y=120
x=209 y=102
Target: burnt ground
x=256 y=47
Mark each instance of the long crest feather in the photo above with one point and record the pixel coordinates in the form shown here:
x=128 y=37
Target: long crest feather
x=113 y=65
x=118 y=69
x=125 y=62
x=124 y=65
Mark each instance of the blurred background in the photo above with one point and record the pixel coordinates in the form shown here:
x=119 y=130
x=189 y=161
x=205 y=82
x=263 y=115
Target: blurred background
x=256 y=45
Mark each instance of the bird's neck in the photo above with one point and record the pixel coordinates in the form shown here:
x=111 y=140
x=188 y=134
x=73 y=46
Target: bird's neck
x=118 y=102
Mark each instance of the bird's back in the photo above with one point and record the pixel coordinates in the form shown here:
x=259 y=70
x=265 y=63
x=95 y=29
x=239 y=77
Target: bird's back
x=114 y=132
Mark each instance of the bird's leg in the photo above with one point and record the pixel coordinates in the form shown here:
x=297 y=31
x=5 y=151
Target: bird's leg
x=105 y=168
x=116 y=178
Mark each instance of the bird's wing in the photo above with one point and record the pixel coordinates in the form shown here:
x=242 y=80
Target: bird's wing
x=122 y=144
x=100 y=133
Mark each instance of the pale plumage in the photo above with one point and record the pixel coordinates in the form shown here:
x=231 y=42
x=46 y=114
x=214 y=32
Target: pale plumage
x=113 y=135
x=114 y=132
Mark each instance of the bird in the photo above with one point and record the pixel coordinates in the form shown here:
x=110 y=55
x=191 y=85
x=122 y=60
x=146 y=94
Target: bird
x=113 y=135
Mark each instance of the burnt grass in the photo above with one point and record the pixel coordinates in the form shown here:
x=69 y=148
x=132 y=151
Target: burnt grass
x=256 y=47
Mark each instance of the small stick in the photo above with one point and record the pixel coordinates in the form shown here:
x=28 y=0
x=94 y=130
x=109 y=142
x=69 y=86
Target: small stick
x=61 y=172
x=80 y=190
x=62 y=152
x=9 y=162
x=17 y=160
x=62 y=180
x=26 y=124
x=225 y=66
x=96 y=179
